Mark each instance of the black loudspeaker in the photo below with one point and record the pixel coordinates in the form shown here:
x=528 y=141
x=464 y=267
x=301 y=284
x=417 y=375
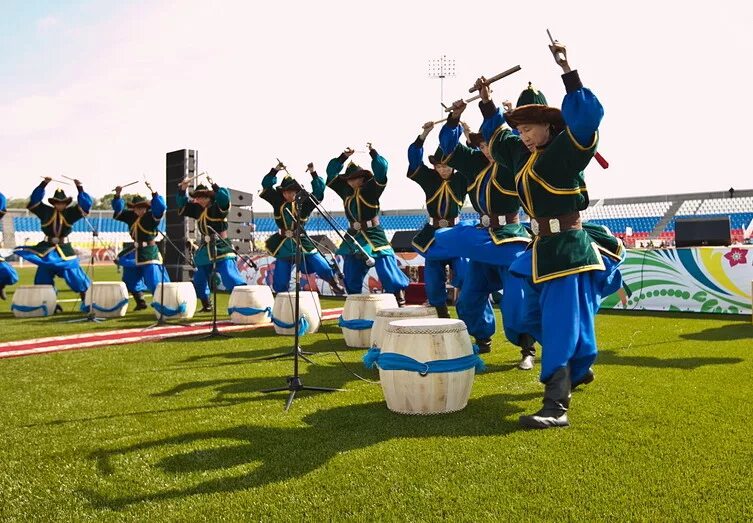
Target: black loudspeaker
x=325 y=244
x=401 y=241
x=698 y=232
x=180 y=165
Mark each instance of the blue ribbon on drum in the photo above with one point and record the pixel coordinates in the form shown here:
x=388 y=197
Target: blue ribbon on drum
x=85 y=308
x=303 y=324
x=356 y=325
x=250 y=311
x=30 y=308
x=393 y=361
x=167 y=311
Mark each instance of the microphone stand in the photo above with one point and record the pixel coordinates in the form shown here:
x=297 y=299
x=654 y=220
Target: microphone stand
x=295 y=384
x=215 y=332
x=90 y=316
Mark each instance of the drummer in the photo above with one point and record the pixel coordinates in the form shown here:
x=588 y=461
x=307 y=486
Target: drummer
x=282 y=245
x=8 y=275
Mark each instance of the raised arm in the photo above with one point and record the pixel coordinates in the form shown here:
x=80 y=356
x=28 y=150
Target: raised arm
x=268 y=183
x=159 y=206
x=118 y=208
x=3 y=205
x=493 y=117
x=37 y=195
x=85 y=201
x=334 y=167
x=221 y=197
x=378 y=166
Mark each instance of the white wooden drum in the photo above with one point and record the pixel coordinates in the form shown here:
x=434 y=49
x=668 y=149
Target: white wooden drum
x=384 y=316
x=245 y=297
x=178 y=300
x=309 y=307
x=364 y=307
x=427 y=339
x=110 y=299
x=33 y=301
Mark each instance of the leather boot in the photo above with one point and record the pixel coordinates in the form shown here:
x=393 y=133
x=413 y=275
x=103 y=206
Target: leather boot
x=556 y=403
x=442 y=311
x=336 y=286
x=484 y=345
x=140 y=303
x=400 y=297
x=206 y=305
x=3 y=296
x=527 y=352
x=585 y=380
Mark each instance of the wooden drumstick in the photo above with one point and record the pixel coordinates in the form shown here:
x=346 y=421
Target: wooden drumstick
x=494 y=78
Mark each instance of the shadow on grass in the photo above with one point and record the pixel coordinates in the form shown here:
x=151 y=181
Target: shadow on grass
x=609 y=357
x=288 y=453
x=675 y=315
x=729 y=332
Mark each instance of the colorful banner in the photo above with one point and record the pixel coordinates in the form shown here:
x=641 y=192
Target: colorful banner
x=703 y=279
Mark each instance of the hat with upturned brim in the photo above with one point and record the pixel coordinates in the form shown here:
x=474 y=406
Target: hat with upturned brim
x=60 y=197
x=202 y=191
x=289 y=184
x=139 y=201
x=438 y=158
x=532 y=108
x=354 y=170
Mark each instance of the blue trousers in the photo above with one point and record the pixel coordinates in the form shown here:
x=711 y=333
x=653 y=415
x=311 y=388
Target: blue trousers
x=310 y=264
x=226 y=269
x=435 y=278
x=474 y=306
x=390 y=275
x=8 y=275
x=74 y=276
x=141 y=278
x=475 y=243
x=566 y=307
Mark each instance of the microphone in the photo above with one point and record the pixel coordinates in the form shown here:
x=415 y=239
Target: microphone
x=363 y=255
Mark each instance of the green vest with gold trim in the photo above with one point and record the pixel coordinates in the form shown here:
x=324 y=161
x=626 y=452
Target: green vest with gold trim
x=444 y=199
x=282 y=244
x=550 y=183
x=214 y=216
x=56 y=224
x=142 y=230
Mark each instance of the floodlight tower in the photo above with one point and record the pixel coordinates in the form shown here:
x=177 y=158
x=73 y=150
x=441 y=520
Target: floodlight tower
x=441 y=68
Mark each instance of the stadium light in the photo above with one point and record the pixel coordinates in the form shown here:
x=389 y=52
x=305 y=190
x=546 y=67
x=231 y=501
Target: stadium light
x=441 y=68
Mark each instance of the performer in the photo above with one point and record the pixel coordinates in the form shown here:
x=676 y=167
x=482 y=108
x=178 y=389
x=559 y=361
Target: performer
x=570 y=265
x=54 y=256
x=209 y=207
x=282 y=244
x=142 y=263
x=445 y=191
x=360 y=190
x=492 y=243
x=8 y=275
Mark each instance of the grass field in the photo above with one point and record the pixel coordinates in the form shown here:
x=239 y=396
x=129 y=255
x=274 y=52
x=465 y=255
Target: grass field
x=176 y=431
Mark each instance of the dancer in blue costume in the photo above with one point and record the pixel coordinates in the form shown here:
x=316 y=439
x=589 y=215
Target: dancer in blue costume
x=282 y=244
x=360 y=190
x=445 y=192
x=570 y=265
x=493 y=243
x=141 y=263
x=210 y=207
x=8 y=275
x=54 y=256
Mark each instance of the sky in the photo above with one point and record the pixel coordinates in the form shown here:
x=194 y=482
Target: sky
x=102 y=90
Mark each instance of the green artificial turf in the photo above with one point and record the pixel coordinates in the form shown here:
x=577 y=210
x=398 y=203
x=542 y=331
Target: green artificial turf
x=178 y=431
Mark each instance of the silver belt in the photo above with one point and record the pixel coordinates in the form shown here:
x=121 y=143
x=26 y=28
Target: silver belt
x=554 y=226
x=288 y=234
x=357 y=225
x=56 y=240
x=486 y=220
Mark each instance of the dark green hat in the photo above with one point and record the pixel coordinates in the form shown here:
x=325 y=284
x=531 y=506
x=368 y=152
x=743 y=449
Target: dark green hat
x=532 y=108
x=60 y=197
x=437 y=157
x=289 y=184
x=354 y=170
x=139 y=201
x=202 y=190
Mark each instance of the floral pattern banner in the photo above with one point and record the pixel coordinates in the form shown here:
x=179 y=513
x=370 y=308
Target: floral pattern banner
x=703 y=279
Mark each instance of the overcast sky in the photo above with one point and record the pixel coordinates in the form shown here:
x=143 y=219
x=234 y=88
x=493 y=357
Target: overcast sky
x=102 y=90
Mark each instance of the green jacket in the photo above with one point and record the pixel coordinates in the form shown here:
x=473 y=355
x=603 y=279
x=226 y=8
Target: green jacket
x=56 y=224
x=282 y=244
x=214 y=216
x=361 y=205
x=143 y=230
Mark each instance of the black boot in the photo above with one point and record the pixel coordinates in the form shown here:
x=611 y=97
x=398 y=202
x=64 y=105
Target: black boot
x=442 y=311
x=484 y=345
x=58 y=309
x=527 y=352
x=336 y=286
x=556 y=403
x=86 y=308
x=400 y=297
x=140 y=303
x=206 y=305
x=585 y=380
x=3 y=296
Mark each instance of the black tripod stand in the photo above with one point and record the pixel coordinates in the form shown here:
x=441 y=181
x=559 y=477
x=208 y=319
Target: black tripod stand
x=212 y=245
x=295 y=384
x=90 y=316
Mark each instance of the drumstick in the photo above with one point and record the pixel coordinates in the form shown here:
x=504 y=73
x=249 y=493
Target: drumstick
x=128 y=184
x=496 y=77
x=56 y=180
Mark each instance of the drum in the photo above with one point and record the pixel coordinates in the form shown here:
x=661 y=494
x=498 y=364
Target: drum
x=110 y=299
x=247 y=300
x=359 y=314
x=284 y=309
x=427 y=339
x=176 y=300
x=33 y=301
x=384 y=316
